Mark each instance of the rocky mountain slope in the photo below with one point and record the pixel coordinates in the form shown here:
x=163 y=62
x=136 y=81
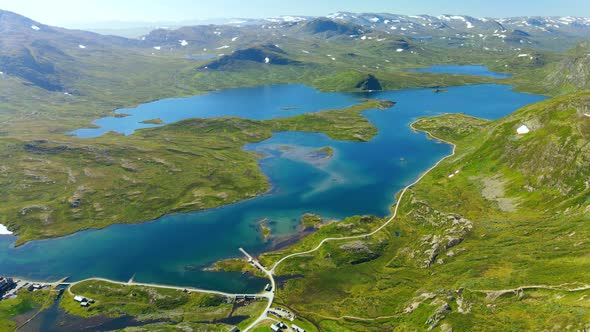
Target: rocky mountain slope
x=43 y=55
x=573 y=72
x=264 y=54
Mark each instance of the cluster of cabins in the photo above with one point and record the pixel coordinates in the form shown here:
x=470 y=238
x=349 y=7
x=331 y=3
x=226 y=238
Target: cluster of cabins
x=280 y=326
x=245 y=297
x=9 y=287
x=84 y=302
x=283 y=314
x=6 y=284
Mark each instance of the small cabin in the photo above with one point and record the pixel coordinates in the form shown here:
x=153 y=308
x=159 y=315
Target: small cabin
x=79 y=298
x=297 y=328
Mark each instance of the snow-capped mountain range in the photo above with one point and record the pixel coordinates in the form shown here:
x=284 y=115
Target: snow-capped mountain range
x=424 y=24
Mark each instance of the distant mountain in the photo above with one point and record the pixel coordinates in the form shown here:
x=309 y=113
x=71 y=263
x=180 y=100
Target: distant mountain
x=200 y=35
x=328 y=28
x=55 y=58
x=137 y=29
x=41 y=54
x=263 y=54
x=467 y=30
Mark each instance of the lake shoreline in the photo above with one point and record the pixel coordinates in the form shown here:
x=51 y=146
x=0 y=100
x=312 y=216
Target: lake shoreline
x=287 y=195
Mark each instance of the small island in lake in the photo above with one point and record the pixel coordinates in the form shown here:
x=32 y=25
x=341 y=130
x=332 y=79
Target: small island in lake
x=289 y=108
x=264 y=229
x=156 y=121
x=439 y=89
x=326 y=152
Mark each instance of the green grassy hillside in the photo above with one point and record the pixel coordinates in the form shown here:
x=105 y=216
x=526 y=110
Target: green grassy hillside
x=494 y=238
x=573 y=72
x=161 y=308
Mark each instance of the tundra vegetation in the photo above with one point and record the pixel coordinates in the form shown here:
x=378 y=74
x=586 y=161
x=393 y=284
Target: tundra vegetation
x=494 y=238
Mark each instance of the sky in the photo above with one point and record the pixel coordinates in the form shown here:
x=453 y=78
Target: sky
x=65 y=12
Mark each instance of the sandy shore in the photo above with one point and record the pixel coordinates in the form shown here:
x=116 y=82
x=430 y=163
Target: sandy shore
x=4 y=230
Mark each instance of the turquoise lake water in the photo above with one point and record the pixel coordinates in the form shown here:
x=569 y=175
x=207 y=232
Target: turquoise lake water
x=361 y=178
x=472 y=70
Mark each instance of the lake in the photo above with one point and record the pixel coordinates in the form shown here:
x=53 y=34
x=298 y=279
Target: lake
x=472 y=70
x=361 y=178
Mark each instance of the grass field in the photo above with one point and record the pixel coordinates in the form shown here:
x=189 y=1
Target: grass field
x=174 y=308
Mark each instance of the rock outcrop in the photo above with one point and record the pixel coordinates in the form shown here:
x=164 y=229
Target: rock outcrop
x=371 y=83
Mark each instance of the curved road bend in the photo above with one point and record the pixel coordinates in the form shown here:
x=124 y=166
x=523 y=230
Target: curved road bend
x=132 y=283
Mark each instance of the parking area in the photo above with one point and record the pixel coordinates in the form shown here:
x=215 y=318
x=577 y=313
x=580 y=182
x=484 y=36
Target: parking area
x=281 y=313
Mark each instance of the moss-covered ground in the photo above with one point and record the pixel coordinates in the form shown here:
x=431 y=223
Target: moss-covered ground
x=171 y=308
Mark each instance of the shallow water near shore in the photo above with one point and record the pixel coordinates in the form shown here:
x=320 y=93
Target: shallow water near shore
x=360 y=178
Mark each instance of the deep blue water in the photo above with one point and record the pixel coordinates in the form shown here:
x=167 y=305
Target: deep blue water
x=361 y=178
x=473 y=70
x=258 y=103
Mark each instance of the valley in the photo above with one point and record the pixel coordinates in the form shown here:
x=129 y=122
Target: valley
x=310 y=142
